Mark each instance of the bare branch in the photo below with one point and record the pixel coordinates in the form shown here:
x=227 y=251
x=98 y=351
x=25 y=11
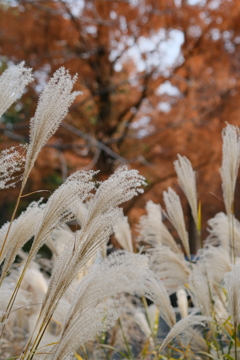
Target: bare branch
x=94 y=142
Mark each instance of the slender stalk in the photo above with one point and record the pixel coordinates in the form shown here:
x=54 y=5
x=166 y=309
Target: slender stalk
x=232 y=235
x=181 y=346
x=12 y=299
x=10 y=225
x=148 y=317
x=125 y=340
x=235 y=342
x=40 y=333
x=36 y=343
x=199 y=226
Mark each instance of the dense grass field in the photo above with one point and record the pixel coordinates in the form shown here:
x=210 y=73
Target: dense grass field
x=89 y=302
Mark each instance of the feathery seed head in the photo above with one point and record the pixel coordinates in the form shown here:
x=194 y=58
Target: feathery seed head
x=214 y=262
x=232 y=284
x=219 y=232
x=121 y=272
x=11 y=161
x=97 y=226
x=230 y=164
x=153 y=231
x=169 y=266
x=182 y=302
x=187 y=181
x=120 y=187
x=191 y=320
x=175 y=215
x=52 y=108
x=150 y=226
x=122 y=232
x=58 y=209
x=200 y=291
x=23 y=228
x=12 y=85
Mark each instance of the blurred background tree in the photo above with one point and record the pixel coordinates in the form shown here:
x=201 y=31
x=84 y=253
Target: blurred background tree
x=158 y=78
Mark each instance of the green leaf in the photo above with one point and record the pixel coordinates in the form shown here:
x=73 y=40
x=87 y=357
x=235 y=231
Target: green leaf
x=226 y=356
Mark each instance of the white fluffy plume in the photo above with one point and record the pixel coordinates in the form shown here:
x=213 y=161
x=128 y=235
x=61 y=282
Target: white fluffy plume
x=12 y=84
x=121 y=272
x=57 y=211
x=123 y=233
x=169 y=266
x=11 y=163
x=220 y=234
x=230 y=164
x=23 y=228
x=184 y=324
x=97 y=226
x=153 y=231
x=187 y=181
x=232 y=284
x=52 y=108
x=214 y=263
x=175 y=215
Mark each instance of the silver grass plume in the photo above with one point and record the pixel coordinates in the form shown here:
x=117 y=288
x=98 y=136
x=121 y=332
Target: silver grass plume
x=123 y=233
x=175 y=215
x=169 y=266
x=5 y=294
x=85 y=327
x=193 y=339
x=11 y=161
x=147 y=320
x=184 y=324
x=200 y=291
x=52 y=108
x=57 y=240
x=76 y=256
x=219 y=232
x=12 y=84
x=97 y=226
x=187 y=181
x=230 y=164
x=35 y=285
x=142 y=322
x=120 y=187
x=232 y=285
x=120 y=272
x=214 y=262
x=153 y=231
x=22 y=230
x=182 y=302
x=57 y=210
